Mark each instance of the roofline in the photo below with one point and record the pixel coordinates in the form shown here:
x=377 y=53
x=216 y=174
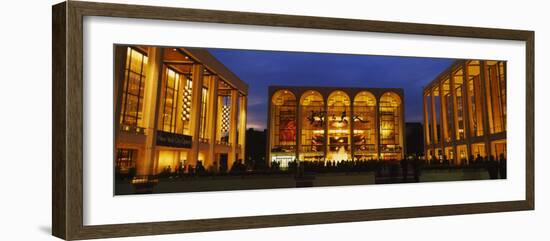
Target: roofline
x=352 y=91
x=329 y=87
x=215 y=66
x=448 y=70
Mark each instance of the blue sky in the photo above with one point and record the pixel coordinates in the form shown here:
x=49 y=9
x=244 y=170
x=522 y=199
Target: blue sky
x=261 y=69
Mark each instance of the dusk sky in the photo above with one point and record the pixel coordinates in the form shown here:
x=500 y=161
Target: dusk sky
x=261 y=69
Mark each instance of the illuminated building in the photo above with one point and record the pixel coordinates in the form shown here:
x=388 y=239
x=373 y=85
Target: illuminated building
x=316 y=124
x=176 y=106
x=465 y=112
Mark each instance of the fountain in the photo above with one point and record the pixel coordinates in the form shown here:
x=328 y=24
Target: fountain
x=340 y=155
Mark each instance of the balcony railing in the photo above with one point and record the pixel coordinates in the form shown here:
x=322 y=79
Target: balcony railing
x=225 y=143
x=132 y=129
x=283 y=148
x=390 y=148
x=312 y=148
x=365 y=147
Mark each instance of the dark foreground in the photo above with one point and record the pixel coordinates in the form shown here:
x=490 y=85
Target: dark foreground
x=291 y=178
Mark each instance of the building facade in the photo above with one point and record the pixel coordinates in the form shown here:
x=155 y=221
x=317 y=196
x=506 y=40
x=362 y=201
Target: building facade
x=334 y=124
x=465 y=112
x=176 y=107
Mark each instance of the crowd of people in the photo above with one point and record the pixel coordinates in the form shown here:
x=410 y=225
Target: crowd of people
x=407 y=168
x=495 y=167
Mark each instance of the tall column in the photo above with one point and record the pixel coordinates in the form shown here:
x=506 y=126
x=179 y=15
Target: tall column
x=242 y=127
x=150 y=111
x=195 y=115
x=454 y=129
x=442 y=117
x=212 y=118
x=179 y=105
x=426 y=126
x=434 y=123
x=486 y=109
x=466 y=109
x=233 y=128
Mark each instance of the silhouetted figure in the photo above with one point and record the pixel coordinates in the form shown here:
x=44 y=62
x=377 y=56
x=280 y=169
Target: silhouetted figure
x=213 y=168
x=181 y=169
x=492 y=167
x=238 y=167
x=417 y=168
x=199 y=169
x=479 y=159
x=444 y=160
x=190 y=169
x=502 y=166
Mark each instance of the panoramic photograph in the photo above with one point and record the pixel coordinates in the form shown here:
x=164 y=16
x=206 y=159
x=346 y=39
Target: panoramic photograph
x=193 y=119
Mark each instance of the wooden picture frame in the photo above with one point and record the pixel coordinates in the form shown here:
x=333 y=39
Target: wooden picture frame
x=67 y=123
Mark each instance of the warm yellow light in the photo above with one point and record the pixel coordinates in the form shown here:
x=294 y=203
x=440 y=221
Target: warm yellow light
x=339 y=131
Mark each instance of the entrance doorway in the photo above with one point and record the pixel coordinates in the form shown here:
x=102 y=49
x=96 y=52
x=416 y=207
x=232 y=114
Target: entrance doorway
x=223 y=162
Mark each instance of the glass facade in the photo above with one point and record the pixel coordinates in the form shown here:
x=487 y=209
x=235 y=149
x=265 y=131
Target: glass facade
x=339 y=126
x=169 y=120
x=447 y=114
x=391 y=125
x=204 y=110
x=364 y=126
x=133 y=89
x=436 y=106
x=313 y=125
x=472 y=114
x=458 y=102
x=495 y=83
x=334 y=125
x=125 y=160
x=283 y=126
x=475 y=98
x=164 y=123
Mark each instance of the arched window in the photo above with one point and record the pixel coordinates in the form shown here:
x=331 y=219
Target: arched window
x=391 y=125
x=313 y=121
x=283 y=127
x=339 y=126
x=364 y=126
